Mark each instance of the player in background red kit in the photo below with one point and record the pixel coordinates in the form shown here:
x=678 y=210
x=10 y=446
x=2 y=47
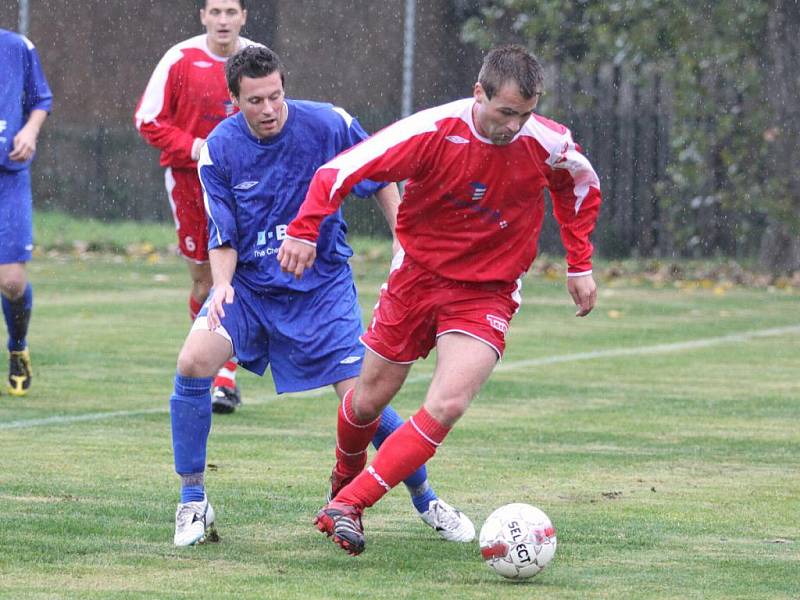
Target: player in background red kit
x=468 y=225
x=184 y=100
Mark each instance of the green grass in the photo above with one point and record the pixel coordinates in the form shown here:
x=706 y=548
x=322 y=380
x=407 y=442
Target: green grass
x=59 y=231
x=669 y=474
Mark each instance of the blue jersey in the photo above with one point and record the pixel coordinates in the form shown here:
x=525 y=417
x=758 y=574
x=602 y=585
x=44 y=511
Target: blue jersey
x=23 y=88
x=253 y=189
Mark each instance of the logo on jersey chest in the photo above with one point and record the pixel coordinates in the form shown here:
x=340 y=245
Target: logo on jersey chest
x=245 y=185
x=473 y=204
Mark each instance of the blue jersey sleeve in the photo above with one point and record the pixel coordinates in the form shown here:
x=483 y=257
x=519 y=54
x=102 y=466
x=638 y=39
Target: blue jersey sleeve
x=218 y=199
x=37 y=93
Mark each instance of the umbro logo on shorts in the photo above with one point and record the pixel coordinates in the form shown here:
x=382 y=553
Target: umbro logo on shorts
x=498 y=323
x=457 y=139
x=350 y=360
x=245 y=185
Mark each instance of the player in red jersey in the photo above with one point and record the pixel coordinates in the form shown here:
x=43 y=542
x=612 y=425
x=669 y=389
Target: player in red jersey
x=468 y=224
x=184 y=100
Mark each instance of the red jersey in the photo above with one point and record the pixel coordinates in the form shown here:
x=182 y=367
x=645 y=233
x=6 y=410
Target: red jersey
x=472 y=211
x=185 y=99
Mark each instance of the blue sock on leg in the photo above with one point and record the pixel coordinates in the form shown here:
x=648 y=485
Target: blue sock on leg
x=17 y=314
x=190 y=412
x=417 y=483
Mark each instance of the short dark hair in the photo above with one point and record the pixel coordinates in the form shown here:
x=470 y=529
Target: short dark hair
x=511 y=63
x=204 y=3
x=252 y=61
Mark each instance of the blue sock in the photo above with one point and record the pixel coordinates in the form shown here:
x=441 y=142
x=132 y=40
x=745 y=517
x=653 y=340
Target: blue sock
x=417 y=483
x=190 y=411
x=18 y=314
x=192 y=493
x=422 y=501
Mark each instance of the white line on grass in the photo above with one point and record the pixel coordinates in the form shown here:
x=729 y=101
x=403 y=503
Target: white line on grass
x=506 y=366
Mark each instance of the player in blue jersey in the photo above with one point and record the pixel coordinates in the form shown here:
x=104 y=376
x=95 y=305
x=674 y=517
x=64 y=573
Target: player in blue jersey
x=255 y=169
x=25 y=101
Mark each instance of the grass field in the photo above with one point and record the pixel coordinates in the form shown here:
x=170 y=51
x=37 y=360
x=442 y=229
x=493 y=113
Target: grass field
x=660 y=434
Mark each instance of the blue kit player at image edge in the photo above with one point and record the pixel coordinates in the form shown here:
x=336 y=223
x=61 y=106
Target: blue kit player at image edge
x=25 y=100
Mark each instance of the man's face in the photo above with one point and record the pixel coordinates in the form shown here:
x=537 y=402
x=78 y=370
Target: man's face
x=501 y=118
x=261 y=101
x=223 y=19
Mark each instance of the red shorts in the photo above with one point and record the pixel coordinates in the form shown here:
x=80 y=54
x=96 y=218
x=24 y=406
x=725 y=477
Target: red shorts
x=416 y=307
x=186 y=199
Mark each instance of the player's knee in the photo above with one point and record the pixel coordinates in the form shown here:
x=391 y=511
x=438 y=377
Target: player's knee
x=13 y=284
x=366 y=408
x=193 y=363
x=448 y=409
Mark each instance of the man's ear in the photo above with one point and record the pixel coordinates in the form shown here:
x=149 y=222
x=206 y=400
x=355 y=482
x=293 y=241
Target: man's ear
x=478 y=92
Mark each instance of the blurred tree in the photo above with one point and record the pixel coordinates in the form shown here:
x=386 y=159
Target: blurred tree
x=670 y=97
x=781 y=243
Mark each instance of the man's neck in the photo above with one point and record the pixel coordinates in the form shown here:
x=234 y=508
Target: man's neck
x=222 y=50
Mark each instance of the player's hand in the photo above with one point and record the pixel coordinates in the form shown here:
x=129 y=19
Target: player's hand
x=24 y=145
x=583 y=290
x=223 y=294
x=295 y=256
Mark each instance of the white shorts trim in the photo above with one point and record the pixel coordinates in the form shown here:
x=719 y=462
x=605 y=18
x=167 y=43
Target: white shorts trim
x=394 y=362
x=201 y=323
x=472 y=335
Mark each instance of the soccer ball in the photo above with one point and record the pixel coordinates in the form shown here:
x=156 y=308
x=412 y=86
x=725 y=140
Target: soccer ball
x=518 y=541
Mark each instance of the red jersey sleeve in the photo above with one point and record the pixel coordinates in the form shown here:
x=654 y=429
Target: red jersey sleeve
x=393 y=154
x=157 y=108
x=575 y=190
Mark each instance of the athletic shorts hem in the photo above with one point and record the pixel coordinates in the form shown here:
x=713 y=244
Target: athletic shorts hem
x=376 y=353
x=474 y=336
x=347 y=372
x=191 y=259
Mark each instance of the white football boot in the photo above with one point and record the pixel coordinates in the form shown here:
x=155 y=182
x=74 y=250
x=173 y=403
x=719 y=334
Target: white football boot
x=450 y=523
x=194 y=523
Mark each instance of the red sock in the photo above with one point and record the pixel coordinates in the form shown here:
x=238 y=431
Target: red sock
x=402 y=453
x=194 y=307
x=226 y=377
x=352 y=438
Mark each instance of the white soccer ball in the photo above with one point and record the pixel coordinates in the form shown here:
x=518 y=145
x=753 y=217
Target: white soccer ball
x=518 y=541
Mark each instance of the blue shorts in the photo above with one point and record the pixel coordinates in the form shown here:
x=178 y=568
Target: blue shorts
x=309 y=339
x=16 y=228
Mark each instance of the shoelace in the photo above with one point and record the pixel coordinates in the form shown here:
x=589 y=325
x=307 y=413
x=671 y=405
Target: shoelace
x=445 y=517
x=186 y=514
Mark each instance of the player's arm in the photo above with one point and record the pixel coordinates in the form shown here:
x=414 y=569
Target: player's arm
x=386 y=195
x=223 y=261
x=154 y=116
x=388 y=199
x=38 y=100
x=575 y=189
x=393 y=154
x=223 y=239
x=25 y=140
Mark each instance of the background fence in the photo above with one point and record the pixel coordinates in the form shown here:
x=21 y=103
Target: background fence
x=679 y=137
